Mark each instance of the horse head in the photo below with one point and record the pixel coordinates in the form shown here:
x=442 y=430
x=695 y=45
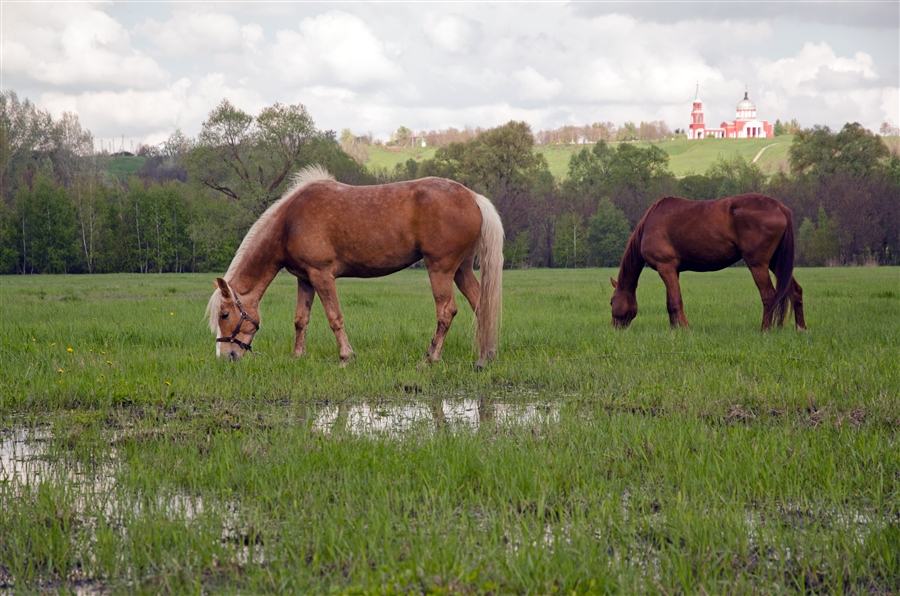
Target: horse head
x=624 y=306
x=232 y=322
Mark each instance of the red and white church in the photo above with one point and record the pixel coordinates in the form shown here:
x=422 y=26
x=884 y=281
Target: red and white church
x=744 y=126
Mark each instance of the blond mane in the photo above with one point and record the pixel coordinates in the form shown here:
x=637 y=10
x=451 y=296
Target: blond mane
x=308 y=175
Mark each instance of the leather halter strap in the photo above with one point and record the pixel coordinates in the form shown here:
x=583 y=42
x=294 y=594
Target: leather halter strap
x=244 y=317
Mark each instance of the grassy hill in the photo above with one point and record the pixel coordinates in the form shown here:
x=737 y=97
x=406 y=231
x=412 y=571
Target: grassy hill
x=686 y=157
x=122 y=166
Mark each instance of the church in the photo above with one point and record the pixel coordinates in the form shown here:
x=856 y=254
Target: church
x=744 y=126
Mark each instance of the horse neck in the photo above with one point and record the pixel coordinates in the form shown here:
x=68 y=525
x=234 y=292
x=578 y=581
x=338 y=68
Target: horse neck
x=632 y=262
x=252 y=276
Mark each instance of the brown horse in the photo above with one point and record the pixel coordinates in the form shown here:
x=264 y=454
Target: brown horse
x=678 y=235
x=321 y=230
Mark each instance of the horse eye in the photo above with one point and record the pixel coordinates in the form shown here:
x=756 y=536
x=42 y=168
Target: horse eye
x=224 y=316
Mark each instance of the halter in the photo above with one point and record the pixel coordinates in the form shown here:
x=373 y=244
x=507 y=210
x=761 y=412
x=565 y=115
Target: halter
x=244 y=317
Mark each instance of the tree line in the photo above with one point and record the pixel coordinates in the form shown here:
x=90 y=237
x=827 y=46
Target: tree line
x=194 y=198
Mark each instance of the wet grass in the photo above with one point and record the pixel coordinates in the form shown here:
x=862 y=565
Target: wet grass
x=717 y=460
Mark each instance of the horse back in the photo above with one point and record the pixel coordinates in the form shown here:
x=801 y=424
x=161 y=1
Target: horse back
x=711 y=235
x=367 y=231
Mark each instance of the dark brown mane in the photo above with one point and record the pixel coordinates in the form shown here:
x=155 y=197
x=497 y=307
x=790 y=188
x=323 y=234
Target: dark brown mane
x=632 y=260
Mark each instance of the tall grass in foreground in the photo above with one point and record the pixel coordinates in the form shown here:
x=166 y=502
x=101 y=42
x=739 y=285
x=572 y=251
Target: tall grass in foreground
x=715 y=459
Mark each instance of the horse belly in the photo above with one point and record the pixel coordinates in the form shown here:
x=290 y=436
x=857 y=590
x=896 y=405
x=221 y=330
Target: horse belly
x=712 y=257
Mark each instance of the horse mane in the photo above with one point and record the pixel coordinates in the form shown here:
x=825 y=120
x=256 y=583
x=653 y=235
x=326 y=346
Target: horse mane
x=632 y=258
x=308 y=175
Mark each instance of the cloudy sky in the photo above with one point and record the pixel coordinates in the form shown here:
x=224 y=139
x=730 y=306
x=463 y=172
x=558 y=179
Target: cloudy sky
x=141 y=70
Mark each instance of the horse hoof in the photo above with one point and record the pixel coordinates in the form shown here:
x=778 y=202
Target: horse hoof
x=345 y=360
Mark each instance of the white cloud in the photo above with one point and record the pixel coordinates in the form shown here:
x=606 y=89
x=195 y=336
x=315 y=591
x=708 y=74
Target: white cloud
x=336 y=46
x=814 y=65
x=151 y=116
x=534 y=85
x=451 y=33
x=189 y=32
x=74 y=45
x=374 y=67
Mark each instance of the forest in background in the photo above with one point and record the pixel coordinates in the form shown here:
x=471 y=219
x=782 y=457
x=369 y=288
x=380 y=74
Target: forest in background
x=64 y=210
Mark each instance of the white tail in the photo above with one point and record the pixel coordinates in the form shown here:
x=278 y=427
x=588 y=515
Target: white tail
x=490 y=254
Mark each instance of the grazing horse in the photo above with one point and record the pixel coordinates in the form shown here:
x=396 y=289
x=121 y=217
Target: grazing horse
x=678 y=235
x=321 y=230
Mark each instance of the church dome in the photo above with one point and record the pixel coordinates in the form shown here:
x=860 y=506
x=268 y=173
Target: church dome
x=746 y=104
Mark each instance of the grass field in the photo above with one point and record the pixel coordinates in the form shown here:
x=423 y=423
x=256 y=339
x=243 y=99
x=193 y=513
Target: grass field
x=122 y=166
x=713 y=460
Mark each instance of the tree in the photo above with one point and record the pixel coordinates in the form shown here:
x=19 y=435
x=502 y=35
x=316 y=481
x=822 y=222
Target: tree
x=734 y=176
x=354 y=146
x=403 y=137
x=654 y=131
x=854 y=151
x=816 y=244
x=638 y=177
x=628 y=132
x=47 y=227
x=89 y=199
x=248 y=159
x=587 y=178
x=785 y=128
x=570 y=248
x=888 y=130
x=608 y=234
x=500 y=164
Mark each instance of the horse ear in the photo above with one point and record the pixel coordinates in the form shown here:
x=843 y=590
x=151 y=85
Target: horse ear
x=223 y=287
x=613 y=282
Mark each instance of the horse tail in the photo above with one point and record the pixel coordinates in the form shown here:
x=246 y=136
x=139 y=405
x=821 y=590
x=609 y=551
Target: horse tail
x=490 y=255
x=783 y=266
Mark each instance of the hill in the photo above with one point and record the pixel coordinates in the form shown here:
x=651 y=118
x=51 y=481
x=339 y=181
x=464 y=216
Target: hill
x=122 y=166
x=686 y=157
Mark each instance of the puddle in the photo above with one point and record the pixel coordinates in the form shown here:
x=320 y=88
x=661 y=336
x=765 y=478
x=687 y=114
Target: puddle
x=397 y=420
x=22 y=455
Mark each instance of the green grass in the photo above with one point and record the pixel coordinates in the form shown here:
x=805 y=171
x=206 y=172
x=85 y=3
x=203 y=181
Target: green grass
x=716 y=459
x=686 y=157
x=122 y=166
x=695 y=157
x=389 y=157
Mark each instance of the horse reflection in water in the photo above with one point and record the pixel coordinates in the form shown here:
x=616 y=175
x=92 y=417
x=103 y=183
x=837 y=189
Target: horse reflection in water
x=321 y=230
x=678 y=235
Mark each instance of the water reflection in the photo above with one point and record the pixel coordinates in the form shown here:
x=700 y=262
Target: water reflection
x=21 y=454
x=399 y=419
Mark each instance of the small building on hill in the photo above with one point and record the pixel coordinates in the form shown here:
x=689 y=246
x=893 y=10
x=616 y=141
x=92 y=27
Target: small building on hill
x=744 y=126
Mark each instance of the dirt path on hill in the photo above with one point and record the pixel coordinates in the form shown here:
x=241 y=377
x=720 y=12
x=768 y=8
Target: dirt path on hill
x=761 y=152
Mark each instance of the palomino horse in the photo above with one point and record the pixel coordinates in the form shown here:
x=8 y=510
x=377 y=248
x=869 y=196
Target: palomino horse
x=321 y=230
x=678 y=235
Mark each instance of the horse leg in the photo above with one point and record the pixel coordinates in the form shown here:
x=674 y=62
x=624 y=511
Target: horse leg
x=305 y=296
x=468 y=284
x=763 y=282
x=442 y=288
x=325 y=288
x=797 y=303
x=674 y=304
